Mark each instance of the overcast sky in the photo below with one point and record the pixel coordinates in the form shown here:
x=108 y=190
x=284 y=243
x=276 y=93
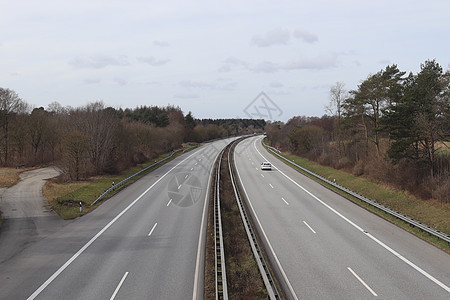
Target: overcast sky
x=213 y=58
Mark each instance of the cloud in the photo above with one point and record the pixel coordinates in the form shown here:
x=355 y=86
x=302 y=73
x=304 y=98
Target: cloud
x=266 y=67
x=218 y=85
x=120 y=81
x=152 y=61
x=91 y=80
x=186 y=96
x=195 y=84
x=99 y=61
x=316 y=63
x=276 y=84
x=161 y=44
x=305 y=36
x=384 y=62
x=231 y=62
x=319 y=62
x=278 y=36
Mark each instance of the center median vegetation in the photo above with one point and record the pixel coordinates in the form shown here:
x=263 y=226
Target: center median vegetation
x=242 y=275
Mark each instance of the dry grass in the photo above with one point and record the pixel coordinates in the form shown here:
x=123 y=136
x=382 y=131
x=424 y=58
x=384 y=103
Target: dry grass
x=9 y=176
x=429 y=212
x=52 y=191
x=243 y=277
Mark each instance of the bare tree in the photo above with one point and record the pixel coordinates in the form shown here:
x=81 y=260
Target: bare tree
x=10 y=104
x=75 y=145
x=100 y=125
x=335 y=108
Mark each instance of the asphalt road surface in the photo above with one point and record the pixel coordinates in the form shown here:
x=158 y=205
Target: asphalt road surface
x=146 y=242
x=329 y=248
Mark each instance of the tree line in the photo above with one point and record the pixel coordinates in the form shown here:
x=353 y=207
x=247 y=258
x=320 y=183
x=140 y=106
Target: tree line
x=95 y=139
x=394 y=127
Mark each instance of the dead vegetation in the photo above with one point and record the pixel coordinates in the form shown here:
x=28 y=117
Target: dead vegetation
x=243 y=278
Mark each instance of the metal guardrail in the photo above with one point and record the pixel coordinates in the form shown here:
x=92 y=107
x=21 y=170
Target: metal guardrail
x=257 y=253
x=221 y=277
x=410 y=221
x=122 y=182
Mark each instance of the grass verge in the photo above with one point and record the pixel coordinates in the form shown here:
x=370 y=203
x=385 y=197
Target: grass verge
x=65 y=198
x=432 y=213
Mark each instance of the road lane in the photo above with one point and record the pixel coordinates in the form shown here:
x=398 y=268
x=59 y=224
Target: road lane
x=161 y=265
x=317 y=265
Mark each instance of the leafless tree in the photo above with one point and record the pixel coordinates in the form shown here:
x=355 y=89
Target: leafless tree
x=10 y=104
x=335 y=108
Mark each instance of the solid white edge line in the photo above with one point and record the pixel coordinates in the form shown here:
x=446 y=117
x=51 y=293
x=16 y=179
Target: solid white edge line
x=79 y=252
x=119 y=286
x=195 y=292
x=362 y=281
x=427 y=275
x=310 y=228
x=405 y=260
x=291 y=289
x=153 y=228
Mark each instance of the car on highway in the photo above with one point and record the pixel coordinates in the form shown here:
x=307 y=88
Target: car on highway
x=266 y=166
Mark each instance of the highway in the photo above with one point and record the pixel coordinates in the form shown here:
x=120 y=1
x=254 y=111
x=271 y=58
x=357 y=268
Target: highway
x=146 y=242
x=326 y=247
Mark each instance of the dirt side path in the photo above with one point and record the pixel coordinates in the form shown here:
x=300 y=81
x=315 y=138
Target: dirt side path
x=25 y=200
x=26 y=218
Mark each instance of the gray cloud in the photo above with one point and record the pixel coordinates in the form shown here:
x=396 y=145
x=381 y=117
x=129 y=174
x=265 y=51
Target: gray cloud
x=384 y=62
x=276 y=84
x=316 y=63
x=218 y=85
x=195 y=84
x=153 y=61
x=305 y=36
x=99 y=61
x=231 y=62
x=278 y=36
x=186 y=96
x=91 y=80
x=161 y=43
x=120 y=81
x=266 y=67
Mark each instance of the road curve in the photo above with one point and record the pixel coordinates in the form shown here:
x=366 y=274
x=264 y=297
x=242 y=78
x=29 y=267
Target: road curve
x=24 y=199
x=329 y=248
x=146 y=242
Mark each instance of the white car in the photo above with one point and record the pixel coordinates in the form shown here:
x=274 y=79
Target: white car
x=266 y=166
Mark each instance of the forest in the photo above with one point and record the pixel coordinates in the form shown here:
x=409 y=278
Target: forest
x=96 y=139
x=393 y=128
